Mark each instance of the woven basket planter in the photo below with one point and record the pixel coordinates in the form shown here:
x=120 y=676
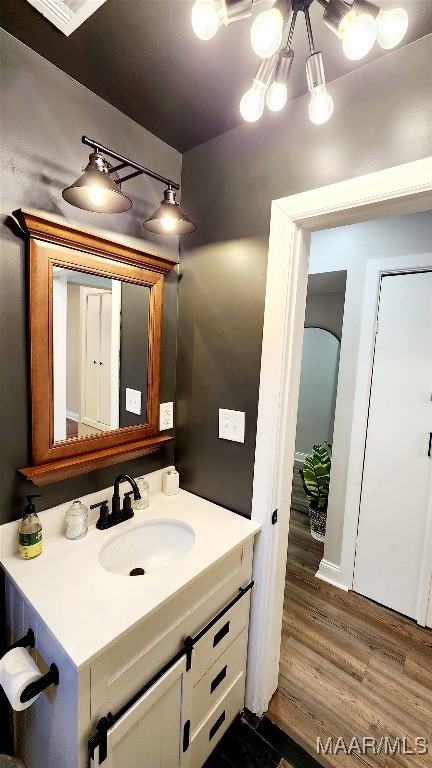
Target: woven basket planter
x=318 y=519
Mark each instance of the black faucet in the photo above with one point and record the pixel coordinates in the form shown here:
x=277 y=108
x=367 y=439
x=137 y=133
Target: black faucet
x=127 y=510
x=117 y=515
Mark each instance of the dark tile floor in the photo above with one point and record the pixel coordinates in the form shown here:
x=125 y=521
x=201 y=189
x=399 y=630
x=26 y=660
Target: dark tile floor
x=254 y=743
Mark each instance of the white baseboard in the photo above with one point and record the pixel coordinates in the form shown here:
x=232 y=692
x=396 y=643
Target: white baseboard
x=299 y=456
x=72 y=416
x=330 y=573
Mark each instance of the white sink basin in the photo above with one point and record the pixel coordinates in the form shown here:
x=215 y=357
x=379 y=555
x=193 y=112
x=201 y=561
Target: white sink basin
x=148 y=546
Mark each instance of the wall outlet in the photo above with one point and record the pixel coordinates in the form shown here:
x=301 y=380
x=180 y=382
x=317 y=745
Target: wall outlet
x=231 y=425
x=133 y=401
x=166 y=416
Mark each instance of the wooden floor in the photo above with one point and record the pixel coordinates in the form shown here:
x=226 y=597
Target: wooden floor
x=71 y=428
x=349 y=667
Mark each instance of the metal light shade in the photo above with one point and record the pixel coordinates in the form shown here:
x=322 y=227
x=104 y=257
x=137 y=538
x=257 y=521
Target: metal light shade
x=169 y=219
x=335 y=13
x=96 y=191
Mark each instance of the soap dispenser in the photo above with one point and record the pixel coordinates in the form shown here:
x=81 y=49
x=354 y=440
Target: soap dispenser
x=30 y=531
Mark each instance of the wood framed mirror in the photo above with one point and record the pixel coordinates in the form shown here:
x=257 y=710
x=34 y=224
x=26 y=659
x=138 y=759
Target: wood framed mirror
x=95 y=317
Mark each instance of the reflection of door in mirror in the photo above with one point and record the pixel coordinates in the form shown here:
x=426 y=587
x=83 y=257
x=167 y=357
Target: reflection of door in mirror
x=99 y=360
x=100 y=353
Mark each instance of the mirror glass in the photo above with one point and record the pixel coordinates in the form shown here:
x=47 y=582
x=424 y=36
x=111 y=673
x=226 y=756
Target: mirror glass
x=100 y=353
x=318 y=386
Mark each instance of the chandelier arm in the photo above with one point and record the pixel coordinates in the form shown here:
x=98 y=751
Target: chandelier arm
x=309 y=30
x=291 y=30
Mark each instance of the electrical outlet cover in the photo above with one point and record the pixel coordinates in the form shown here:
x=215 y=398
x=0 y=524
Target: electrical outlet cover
x=133 y=401
x=231 y=425
x=166 y=416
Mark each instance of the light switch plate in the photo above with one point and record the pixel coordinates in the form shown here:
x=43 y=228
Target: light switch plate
x=133 y=401
x=166 y=416
x=231 y=425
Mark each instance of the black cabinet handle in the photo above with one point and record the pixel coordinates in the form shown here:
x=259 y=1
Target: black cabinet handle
x=218 y=679
x=214 y=729
x=430 y=444
x=221 y=634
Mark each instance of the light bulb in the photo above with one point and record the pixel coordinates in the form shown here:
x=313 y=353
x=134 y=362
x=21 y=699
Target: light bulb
x=168 y=223
x=277 y=96
x=345 y=22
x=359 y=36
x=207 y=17
x=252 y=103
x=321 y=105
x=266 y=33
x=98 y=196
x=392 y=26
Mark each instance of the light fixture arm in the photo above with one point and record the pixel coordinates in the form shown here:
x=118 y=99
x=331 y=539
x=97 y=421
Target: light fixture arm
x=309 y=30
x=124 y=162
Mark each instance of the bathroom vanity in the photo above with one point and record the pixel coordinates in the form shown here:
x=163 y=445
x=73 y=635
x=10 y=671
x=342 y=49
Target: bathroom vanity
x=119 y=641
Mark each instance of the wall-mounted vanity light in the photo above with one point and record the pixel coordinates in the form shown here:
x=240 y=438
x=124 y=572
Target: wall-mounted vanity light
x=99 y=190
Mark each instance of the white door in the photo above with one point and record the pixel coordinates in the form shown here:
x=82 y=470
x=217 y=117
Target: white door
x=396 y=490
x=96 y=358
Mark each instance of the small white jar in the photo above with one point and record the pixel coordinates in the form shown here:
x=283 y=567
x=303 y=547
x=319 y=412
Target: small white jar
x=76 y=520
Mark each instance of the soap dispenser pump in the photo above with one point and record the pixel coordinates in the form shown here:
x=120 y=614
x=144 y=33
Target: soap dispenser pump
x=30 y=531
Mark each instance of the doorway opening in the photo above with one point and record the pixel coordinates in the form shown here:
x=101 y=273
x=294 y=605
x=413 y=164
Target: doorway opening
x=401 y=190
x=355 y=644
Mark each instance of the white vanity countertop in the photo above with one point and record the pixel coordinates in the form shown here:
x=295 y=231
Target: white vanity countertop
x=86 y=608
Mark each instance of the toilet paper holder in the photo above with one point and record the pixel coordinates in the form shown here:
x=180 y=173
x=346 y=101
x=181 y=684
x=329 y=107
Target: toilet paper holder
x=51 y=677
x=28 y=641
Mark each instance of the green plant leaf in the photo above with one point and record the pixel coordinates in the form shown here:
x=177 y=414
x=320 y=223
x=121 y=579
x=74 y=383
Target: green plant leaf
x=315 y=475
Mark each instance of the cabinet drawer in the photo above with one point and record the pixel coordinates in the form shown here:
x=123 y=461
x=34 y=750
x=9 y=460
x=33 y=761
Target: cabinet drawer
x=218 y=679
x=215 y=642
x=204 y=740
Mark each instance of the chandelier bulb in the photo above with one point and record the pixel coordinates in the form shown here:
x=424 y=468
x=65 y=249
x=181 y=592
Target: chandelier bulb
x=391 y=26
x=266 y=32
x=359 y=35
x=207 y=17
x=321 y=105
x=277 y=96
x=252 y=102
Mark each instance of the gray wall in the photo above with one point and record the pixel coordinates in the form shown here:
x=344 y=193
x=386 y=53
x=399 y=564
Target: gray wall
x=133 y=348
x=325 y=310
x=44 y=114
x=382 y=118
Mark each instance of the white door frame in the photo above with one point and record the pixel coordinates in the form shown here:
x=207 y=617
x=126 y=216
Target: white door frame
x=391 y=192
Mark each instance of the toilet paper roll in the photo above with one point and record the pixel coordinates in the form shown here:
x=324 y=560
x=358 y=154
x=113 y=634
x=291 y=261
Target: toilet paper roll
x=17 y=670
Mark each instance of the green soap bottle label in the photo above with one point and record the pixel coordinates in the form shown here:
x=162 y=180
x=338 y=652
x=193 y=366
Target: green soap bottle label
x=30 y=544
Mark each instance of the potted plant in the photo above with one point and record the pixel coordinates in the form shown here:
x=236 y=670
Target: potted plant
x=315 y=475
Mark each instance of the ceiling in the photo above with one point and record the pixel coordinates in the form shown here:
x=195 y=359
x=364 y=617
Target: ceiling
x=142 y=57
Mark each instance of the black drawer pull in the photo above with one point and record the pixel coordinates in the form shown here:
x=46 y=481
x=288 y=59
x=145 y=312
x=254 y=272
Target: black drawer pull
x=218 y=679
x=221 y=634
x=214 y=729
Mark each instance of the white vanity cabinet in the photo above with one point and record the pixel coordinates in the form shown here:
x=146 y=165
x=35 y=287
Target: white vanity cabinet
x=178 y=721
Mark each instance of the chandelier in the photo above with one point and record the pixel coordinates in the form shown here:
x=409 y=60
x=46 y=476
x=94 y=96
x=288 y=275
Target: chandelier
x=358 y=24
